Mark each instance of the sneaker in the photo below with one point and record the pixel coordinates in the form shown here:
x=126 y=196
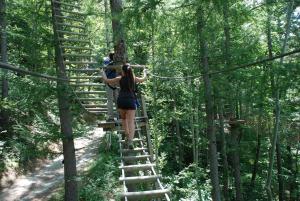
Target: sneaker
x=130 y=144
x=110 y=119
x=125 y=145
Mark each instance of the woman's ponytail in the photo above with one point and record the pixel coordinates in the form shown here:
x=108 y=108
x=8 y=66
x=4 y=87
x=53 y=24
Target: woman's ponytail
x=128 y=73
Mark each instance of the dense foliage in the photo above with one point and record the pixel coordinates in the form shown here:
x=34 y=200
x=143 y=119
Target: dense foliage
x=165 y=36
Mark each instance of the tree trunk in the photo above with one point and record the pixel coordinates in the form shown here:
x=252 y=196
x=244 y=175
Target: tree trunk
x=236 y=162
x=279 y=170
x=257 y=153
x=3 y=46
x=260 y=129
x=224 y=153
x=107 y=39
x=213 y=157
x=227 y=61
x=179 y=140
x=197 y=129
x=70 y=172
x=275 y=92
x=296 y=174
x=192 y=118
x=226 y=52
x=291 y=179
x=116 y=7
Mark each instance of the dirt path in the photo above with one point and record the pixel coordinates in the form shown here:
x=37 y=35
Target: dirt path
x=38 y=185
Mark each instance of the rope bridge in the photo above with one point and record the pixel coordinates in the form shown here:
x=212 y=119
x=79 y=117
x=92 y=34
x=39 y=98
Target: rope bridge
x=137 y=168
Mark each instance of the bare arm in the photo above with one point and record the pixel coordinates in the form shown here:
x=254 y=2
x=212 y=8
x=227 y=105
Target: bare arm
x=141 y=79
x=110 y=81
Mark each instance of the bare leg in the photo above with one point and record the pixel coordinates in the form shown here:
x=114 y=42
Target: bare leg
x=124 y=122
x=110 y=100
x=130 y=114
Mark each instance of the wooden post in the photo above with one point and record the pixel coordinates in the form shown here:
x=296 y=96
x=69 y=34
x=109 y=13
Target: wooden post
x=70 y=172
x=148 y=136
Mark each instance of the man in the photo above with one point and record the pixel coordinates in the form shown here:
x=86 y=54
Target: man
x=111 y=90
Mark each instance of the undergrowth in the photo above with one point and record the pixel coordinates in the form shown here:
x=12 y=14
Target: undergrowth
x=100 y=181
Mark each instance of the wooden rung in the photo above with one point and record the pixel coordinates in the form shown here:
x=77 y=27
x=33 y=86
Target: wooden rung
x=133 y=150
x=71 y=12
x=73 y=40
x=76 y=48
x=100 y=111
x=92 y=99
x=77 y=55
x=85 y=77
x=83 y=70
x=87 y=85
x=135 y=158
x=139 y=179
x=90 y=92
x=92 y=112
x=66 y=4
x=94 y=105
x=71 y=33
x=134 y=140
x=81 y=62
x=145 y=194
x=137 y=119
x=69 y=18
x=137 y=167
x=70 y=25
x=97 y=109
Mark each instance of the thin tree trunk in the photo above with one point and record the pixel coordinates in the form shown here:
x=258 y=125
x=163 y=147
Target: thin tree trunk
x=224 y=153
x=226 y=53
x=70 y=172
x=116 y=7
x=236 y=162
x=213 y=158
x=3 y=46
x=227 y=60
x=197 y=129
x=196 y=159
x=257 y=153
x=180 y=151
x=275 y=89
x=297 y=189
x=192 y=118
x=260 y=130
x=279 y=170
x=278 y=149
x=106 y=25
x=291 y=179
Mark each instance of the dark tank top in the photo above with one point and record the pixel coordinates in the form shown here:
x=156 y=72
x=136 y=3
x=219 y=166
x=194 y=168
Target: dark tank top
x=125 y=91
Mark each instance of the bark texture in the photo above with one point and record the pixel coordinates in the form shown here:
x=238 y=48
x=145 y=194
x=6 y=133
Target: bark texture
x=116 y=7
x=70 y=172
x=214 y=173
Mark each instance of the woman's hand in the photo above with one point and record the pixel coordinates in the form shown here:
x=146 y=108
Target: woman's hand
x=145 y=72
x=104 y=77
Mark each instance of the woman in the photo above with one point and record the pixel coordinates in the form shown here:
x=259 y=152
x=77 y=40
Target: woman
x=127 y=100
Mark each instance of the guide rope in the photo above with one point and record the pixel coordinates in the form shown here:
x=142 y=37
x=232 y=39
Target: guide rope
x=228 y=70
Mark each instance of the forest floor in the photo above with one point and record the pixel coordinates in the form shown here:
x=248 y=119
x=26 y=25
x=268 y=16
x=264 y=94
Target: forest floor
x=40 y=183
